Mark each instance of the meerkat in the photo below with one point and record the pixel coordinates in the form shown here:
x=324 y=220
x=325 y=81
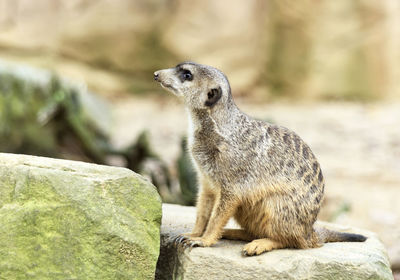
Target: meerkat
x=263 y=175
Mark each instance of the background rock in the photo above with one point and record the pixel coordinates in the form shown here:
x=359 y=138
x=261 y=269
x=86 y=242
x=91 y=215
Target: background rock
x=347 y=260
x=42 y=114
x=72 y=220
x=313 y=49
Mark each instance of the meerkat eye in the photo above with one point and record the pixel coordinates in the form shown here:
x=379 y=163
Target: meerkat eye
x=186 y=75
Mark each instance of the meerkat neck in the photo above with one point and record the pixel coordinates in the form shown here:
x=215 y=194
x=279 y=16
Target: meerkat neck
x=221 y=118
x=225 y=116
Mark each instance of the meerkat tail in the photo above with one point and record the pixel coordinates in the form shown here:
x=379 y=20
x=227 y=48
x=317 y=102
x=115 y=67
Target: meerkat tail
x=326 y=235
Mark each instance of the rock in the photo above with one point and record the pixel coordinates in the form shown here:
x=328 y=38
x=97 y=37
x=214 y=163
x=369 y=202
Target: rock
x=224 y=260
x=292 y=50
x=55 y=117
x=187 y=175
x=72 y=220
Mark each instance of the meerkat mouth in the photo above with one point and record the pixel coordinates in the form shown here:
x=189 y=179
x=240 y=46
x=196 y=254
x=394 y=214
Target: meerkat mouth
x=168 y=86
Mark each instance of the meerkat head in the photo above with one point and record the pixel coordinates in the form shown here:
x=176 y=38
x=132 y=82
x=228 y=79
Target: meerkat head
x=201 y=86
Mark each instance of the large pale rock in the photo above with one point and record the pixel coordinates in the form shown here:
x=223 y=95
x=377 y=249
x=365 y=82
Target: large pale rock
x=72 y=220
x=224 y=260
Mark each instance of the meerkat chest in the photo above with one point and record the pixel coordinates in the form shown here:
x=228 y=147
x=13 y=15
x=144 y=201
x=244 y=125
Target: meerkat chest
x=205 y=152
x=210 y=147
x=208 y=152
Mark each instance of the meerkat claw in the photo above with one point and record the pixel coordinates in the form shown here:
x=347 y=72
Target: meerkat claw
x=180 y=239
x=192 y=243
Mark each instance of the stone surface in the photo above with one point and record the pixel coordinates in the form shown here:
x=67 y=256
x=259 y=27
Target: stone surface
x=224 y=260
x=72 y=220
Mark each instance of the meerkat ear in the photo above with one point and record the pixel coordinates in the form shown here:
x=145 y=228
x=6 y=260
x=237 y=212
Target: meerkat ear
x=213 y=96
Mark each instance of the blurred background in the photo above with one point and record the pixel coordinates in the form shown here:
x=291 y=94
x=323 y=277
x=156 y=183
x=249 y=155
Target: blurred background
x=76 y=82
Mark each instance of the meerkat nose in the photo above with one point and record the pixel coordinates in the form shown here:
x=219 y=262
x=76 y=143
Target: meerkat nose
x=155 y=76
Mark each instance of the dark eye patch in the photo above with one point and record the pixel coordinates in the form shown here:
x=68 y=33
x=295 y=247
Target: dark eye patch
x=185 y=75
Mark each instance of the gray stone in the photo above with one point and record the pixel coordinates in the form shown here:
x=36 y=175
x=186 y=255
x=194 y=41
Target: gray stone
x=72 y=220
x=345 y=260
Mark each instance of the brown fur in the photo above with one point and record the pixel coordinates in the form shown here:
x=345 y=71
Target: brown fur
x=261 y=174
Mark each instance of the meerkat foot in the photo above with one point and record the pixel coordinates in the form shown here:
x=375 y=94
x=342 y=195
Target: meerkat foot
x=259 y=246
x=237 y=234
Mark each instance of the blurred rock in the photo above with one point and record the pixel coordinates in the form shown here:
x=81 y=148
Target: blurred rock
x=44 y=115
x=72 y=220
x=346 y=260
x=313 y=49
x=187 y=175
x=141 y=158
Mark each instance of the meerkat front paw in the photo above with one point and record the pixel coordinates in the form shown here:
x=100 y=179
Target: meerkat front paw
x=185 y=236
x=198 y=242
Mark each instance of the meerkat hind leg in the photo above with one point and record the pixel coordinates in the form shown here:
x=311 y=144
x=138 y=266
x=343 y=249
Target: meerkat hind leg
x=237 y=234
x=259 y=246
